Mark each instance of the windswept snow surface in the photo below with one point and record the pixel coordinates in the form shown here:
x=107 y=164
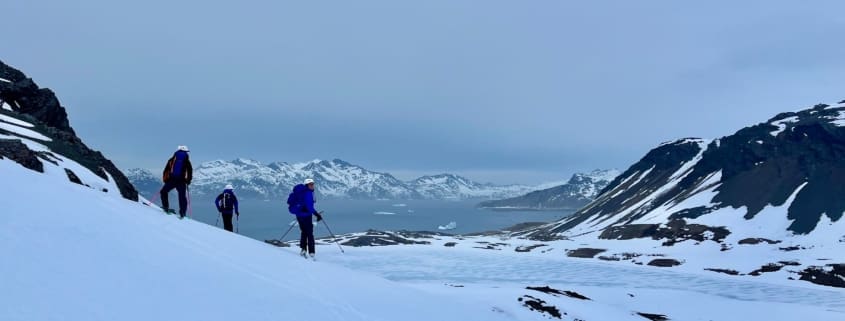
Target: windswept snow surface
x=617 y=291
x=72 y=254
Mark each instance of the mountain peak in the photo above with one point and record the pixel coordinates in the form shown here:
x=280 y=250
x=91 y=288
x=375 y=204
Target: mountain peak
x=789 y=169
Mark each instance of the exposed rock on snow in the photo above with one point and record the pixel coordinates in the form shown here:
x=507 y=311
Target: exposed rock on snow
x=587 y=253
x=829 y=275
x=664 y=262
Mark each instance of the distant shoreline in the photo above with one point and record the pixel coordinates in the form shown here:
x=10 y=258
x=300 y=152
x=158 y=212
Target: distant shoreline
x=518 y=209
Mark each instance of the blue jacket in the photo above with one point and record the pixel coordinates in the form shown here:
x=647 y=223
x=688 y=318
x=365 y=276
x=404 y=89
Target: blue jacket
x=306 y=203
x=219 y=203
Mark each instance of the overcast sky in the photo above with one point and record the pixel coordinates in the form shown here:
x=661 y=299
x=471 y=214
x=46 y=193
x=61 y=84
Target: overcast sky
x=499 y=91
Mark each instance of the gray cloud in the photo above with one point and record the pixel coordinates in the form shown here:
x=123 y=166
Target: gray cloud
x=464 y=86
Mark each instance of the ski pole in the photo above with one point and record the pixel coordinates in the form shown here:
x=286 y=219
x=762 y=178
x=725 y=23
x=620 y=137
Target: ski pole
x=237 y=224
x=218 y=218
x=156 y=196
x=286 y=233
x=335 y=238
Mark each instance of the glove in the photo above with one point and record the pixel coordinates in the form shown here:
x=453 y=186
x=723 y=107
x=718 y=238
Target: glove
x=319 y=217
x=238 y=214
x=187 y=182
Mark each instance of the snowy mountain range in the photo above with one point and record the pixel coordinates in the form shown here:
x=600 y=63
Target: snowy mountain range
x=581 y=189
x=335 y=179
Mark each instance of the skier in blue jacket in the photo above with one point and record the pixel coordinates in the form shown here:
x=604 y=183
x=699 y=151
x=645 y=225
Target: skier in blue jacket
x=227 y=203
x=304 y=209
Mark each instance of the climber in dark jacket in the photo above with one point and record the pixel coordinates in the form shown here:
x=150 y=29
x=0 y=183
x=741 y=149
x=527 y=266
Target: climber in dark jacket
x=227 y=203
x=177 y=174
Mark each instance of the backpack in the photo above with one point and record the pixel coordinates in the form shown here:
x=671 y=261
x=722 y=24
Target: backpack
x=226 y=202
x=178 y=168
x=295 y=199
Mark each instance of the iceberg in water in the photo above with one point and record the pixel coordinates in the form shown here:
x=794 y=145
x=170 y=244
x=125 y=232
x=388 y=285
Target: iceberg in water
x=451 y=226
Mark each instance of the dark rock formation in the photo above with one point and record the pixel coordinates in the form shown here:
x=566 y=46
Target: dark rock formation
x=41 y=107
x=16 y=150
x=549 y=290
x=71 y=176
x=450 y=244
x=653 y=317
x=379 y=238
x=586 y=253
x=754 y=241
x=673 y=232
x=664 y=262
x=771 y=267
x=535 y=304
x=833 y=275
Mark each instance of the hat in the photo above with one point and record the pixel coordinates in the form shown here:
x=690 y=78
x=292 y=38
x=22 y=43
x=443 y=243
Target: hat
x=183 y=148
x=229 y=186
x=308 y=181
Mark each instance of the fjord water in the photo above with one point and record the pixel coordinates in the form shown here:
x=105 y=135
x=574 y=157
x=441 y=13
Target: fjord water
x=263 y=220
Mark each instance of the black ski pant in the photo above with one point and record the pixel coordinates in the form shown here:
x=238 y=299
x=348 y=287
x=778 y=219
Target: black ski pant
x=306 y=238
x=181 y=188
x=227 y=222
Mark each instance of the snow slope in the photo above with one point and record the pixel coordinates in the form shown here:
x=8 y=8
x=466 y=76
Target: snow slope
x=71 y=253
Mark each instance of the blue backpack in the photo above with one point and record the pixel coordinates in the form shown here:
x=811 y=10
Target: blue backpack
x=295 y=199
x=178 y=169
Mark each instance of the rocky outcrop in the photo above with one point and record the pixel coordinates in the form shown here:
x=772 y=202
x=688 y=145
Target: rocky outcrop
x=829 y=275
x=797 y=157
x=15 y=150
x=584 y=253
x=41 y=107
x=673 y=232
x=380 y=238
x=757 y=240
x=664 y=262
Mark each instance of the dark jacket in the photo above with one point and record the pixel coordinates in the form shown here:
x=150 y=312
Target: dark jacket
x=230 y=205
x=178 y=168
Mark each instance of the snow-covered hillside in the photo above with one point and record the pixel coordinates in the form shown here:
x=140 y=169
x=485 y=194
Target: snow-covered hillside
x=580 y=190
x=770 y=196
x=335 y=179
x=73 y=253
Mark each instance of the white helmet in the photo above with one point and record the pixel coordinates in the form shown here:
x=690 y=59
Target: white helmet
x=308 y=181
x=182 y=148
x=229 y=186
